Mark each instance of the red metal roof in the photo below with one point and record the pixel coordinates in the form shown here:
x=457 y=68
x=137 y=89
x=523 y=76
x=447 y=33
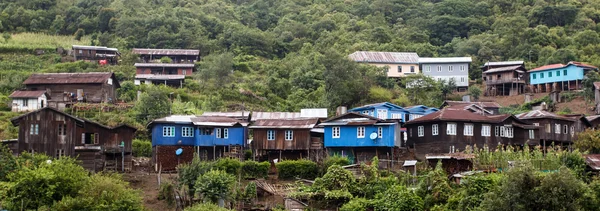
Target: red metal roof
x=27 y=94
x=555 y=66
x=453 y=114
x=69 y=78
x=306 y=123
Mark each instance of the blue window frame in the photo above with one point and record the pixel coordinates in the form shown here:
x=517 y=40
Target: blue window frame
x=270 y=135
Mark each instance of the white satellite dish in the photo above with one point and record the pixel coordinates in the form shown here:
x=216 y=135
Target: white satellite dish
x=373 y=136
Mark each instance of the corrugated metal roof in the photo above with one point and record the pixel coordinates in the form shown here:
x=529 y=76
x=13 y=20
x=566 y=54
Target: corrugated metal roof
x=216 y=121
x=166 y=51
x=159 y=77
x=305 y=123
x=452 y=114
x=352 y=118
x=593 y=161
x=592 y=118
x=313 y=113
x=176 y=119
x=471 y=107
x=410 y=163
x=503 y=63
x=163 y=65
x=68 y=78
x=502 y=69
x=482 y=104
x=27 y=94
x=556 y=66
x=275 y=115
x=385 y=57
x=445 y=60
x=538 y=114
x=368 y=106
x=87 y=47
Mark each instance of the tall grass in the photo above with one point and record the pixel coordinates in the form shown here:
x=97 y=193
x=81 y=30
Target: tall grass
x=28 y=42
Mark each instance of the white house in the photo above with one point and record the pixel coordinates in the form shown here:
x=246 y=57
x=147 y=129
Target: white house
x=23 y=101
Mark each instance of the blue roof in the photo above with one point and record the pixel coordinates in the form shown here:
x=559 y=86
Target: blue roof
x=376 y=105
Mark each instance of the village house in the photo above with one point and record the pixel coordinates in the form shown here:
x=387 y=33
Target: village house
x=492 y=107
x=559 y=77
x=57 y=134
x=383 y=111
x=419 y=111
x=154 y=70
x=448 y=68
x=361 y=137
x=100 y=54
x=594 y=121
x=24 y=101
x=597 y=97
x=175 y=55
x=555 y=129
x=210 y=137
x=475 y=108
x=452 y=130
x=65 y=89
x=398 y=64
x=504 y=78
x=288 y=135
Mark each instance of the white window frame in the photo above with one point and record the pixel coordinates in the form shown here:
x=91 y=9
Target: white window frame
x=428 y=68
x=187 y=132
x=462 y=68
x=548 y=128
x=462 y=79
x=451 y=128
x=468 y=130
x=502 y=131
x=435 y=130
x=270 y=135
x=450 y=68
x=565 y=129
x=289 y=135
x=439 y=68
x=168 y=131
x=557 y=128
x=225 y=133
x=360 y=132
x=218 y=132
x=421 y=131
x=396 y=116
x=379 y=132
x=531 y=134
x=486 y=130
x=335 y=132
x=509 y=132
x=365 y=112
x=382 y=113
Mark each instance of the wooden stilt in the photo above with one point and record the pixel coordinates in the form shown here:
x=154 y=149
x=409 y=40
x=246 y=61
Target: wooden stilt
x=279 y=155
x=214 y=152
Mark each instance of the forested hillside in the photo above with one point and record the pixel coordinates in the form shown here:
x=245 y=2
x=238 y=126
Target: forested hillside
x=286 y=55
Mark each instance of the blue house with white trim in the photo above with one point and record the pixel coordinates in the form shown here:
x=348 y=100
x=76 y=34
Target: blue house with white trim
x=361 y=137
x=210 y=137
x=383 y=111
x=418 y=111
x=559 y=77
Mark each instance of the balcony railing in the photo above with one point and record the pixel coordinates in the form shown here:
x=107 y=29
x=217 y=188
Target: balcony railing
x=502 y=81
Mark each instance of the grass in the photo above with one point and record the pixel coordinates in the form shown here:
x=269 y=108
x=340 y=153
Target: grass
x=28 y=42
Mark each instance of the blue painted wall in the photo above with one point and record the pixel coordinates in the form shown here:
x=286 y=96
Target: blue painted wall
x=158 y=139
x=348 y=136
x=237 y=136
x=372 y=111
x=573 y=73
x=421 y=110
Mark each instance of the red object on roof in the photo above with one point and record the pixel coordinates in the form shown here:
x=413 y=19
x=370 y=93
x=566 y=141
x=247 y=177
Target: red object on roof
x=69 y=78
x=27 y=94
x=556 y=66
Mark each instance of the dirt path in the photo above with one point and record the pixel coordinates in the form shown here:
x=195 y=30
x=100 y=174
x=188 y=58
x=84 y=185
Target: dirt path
x=148 y=184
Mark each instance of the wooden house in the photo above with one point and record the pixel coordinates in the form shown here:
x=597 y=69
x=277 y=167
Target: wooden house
x=555 y=128
x=175 y=55
x=172 y=74
x=492 y=107
x=283 y=138
x=452 y=130
x=559 y=77
x=59 y=134
x=100 y=54
x=361 y=137
x=504 y=78
x=594 y=121
x=24 y=101
x=64 y=89
x=398 y=64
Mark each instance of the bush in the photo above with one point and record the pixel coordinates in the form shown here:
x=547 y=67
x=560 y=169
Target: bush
x=215 y=185
x=358 y=204
x=334 y=160
x=206 y=207
x=142 y=148
x=231 y=166
x=253 y=169
x=291 y=169
x=167 y=193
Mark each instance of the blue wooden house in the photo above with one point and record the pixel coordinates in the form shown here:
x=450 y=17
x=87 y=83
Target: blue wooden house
x=383 y=111
x=419 y=111
x=559 y=77
x=210 y=137
x=361 y=137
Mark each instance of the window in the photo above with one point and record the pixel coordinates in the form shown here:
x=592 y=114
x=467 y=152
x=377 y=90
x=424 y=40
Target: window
x=25 y=102
x=421 y=131
x=225 y=133
x=365 y=112
x=502 y=131
x=80 y=51
x=270 y=135
x=94 y=137
x=462 y=68
x=572 y=131
x=379 y=132
x=536 y=124
x=462 y=79
x=428 y=68
x=289 y=135
x=496 y=131
x=434 y=130
x=381 y=113
x=187 y=131
x=168 y=131
x=468 y=130
x=531 y=134
x=360 y=132
x=60 y=153
x=439 y=68
x=549 y=74
x=399 y=68
x=548 y=128
x=62 y=129
x=558 y=73
x=533 y=76
x=218 y=132
x=396 y=116
x=410 y=132
x=414 y=116
x=451 y=129
x=486 y=130
x=557 y=128
x=450 y=68
x=335 y=132
x=184 y=72
x=412 y=69
x=566 y=129
x=509 y=132
x=564 y=72
x=205 y=131
x=541 y=75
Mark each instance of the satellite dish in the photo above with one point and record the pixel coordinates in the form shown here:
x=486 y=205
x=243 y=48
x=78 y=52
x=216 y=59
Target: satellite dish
x=178 y=152
x=373 y=136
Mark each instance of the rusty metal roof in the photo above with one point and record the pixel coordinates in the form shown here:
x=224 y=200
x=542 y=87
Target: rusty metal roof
x=164 y=65
x=471 y=107
x=462 y=115
x=538 y=114
x=166 y=51
x=217 y=121
x=275 y=115
x=27 y=94
x=593 y=161
x=385 y=57
x=503 y=69
x=299 y=123
x=482 y=104
x=68 y=78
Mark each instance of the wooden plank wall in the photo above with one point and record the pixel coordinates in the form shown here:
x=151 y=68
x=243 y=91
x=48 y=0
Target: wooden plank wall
x=301 y=140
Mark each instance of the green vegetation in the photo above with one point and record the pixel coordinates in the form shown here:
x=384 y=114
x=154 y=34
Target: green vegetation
x=29 y=42
x=292 y=169
x=142 y=148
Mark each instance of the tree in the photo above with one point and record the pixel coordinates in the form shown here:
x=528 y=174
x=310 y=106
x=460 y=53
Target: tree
x=588 y=141
x=399 y=198
x=588 y=85
x=127 y=92
x=215 y=185
x=474 y=92
x=166 y=59
x=153 y=104
x=435 y=189
x=422 y=89
x=79 y=34
x=447 y=87
x=6 y=36
x=216 y=66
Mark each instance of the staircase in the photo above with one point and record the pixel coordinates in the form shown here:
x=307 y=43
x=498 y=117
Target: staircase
x=235 y=151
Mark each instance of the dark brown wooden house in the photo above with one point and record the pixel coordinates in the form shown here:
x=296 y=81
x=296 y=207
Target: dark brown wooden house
x=65 y=89
x=555 y=128
x=284 y=138
x=176 y=55
x=59 y=134
x=162 y=73
x=504 y=78
x=100 y=54
x=492 y=107
x=594 y=121
x=452 y=130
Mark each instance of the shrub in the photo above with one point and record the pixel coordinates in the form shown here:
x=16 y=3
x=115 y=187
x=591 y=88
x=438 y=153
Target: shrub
x=253 y=169
x=142 y=148
x=167 y=193
x=229 y=165
x=189 y=172
x=206 y=207
x=291 y=169
x=215 y=185
x=334 y=160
